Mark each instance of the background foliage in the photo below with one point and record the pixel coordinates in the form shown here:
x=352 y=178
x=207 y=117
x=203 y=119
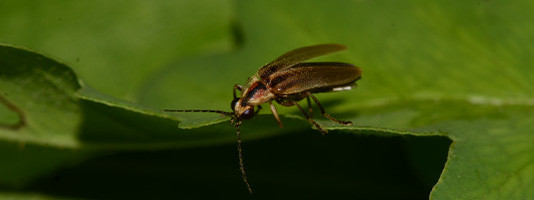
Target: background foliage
x=444 y=108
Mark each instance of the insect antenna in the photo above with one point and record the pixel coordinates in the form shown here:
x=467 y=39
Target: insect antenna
x=210 y=111
x=240 y=151
x=239 y=148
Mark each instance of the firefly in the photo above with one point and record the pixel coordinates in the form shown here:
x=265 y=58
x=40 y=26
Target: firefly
x=286 y=81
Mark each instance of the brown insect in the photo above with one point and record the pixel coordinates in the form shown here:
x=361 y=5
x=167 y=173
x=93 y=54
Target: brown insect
x=287 y=80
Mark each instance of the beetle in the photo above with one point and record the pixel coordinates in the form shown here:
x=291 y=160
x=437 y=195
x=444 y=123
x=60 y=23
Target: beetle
x=287 y=80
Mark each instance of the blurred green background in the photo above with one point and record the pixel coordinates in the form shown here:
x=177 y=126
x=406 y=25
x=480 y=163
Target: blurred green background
x=442 y=71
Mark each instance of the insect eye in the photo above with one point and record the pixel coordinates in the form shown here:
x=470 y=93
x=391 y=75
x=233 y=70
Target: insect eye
x=249 y=113
x=232 y=105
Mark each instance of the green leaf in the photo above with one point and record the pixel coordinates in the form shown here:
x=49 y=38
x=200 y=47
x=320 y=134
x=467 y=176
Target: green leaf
x=38 y=90
x=104 y=41
x=28 y=196
x=440 y=68
x=38 y=94
x=450 y=71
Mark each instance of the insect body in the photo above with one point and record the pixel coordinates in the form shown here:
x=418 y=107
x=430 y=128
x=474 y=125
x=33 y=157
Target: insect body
x=287 y=80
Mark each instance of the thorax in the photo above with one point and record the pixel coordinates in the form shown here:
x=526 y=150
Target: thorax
x=257 y=92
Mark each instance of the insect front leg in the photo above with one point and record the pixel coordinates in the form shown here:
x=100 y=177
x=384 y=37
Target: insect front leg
x=257 y=111
x=347 y=123
x=237 y=87
x=275 y=113
x=309 y=118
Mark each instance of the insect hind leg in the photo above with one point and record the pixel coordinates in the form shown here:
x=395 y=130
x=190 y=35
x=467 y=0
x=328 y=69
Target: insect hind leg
x=347 y=123
x=323 y=131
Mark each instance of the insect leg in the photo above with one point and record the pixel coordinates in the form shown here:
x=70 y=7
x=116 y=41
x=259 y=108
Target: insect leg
x=286 y=103
x=310 y=119
x=257 y=111
x=310 y=110
x=326 y=114
x=275 y=113
x=237 y=87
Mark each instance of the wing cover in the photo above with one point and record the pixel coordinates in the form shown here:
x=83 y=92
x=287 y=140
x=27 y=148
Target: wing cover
x=296 y=56
x=314 y=77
